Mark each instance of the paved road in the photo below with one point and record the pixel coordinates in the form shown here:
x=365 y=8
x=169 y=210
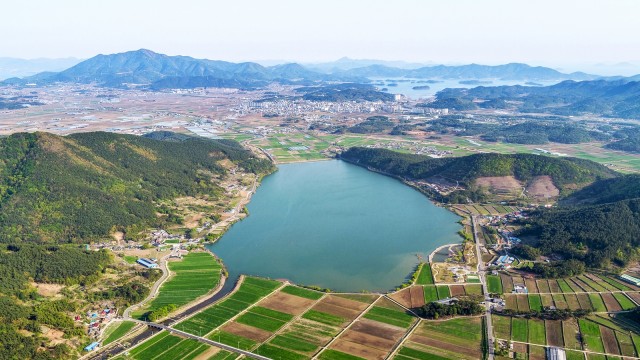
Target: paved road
x=154 y=290
x=483 y=281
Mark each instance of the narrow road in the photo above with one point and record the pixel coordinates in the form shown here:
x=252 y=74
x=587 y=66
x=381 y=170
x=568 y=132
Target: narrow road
x=154 y=289
x=483 y=281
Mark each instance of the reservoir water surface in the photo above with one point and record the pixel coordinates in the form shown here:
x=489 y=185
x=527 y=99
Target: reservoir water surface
x=335 y=225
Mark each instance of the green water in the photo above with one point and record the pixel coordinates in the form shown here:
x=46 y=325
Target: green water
x=335 y=225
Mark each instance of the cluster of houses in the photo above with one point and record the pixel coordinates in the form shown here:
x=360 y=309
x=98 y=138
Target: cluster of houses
x=95 y=322
x=504 y=261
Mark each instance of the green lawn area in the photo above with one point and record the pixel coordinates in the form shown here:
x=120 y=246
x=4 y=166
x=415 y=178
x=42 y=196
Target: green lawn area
x=116 y=331
x=425 y=277
x=519 y=330
x=130 y=259
x=194 y=276
x=301 y=292
x=537 y=332
x=494 y=285
x=591 y=335
x=390 y=316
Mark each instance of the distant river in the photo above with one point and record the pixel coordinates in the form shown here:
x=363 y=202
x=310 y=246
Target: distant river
x=335 y=225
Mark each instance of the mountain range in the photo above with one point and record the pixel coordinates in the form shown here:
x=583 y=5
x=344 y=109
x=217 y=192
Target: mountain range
x=12 y=67
x=158 y=71
x=615 y=98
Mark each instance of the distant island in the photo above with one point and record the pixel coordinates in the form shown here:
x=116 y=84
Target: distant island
x=421 y=87
x=475 y=82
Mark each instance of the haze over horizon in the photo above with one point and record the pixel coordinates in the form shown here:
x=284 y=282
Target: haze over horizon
x=570 y=35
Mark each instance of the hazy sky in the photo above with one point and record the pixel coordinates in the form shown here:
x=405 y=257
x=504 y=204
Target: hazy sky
x=445 y=31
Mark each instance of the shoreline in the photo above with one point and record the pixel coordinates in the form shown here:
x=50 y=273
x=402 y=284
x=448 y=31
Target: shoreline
x=247 y=200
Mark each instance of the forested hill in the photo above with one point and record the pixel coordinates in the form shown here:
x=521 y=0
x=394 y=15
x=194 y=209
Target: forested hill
x=595 y=234
x=566 y=173
x=607 y=191
x=84 y=186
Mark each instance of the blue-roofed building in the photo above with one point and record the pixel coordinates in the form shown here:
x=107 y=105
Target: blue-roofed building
x=147 y=263
x=92 y=346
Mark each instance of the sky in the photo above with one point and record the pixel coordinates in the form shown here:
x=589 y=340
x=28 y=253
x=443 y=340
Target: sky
x=558 y=33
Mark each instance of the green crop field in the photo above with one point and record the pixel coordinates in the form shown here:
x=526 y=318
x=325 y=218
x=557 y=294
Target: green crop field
x=331 y=354
x=564 y=286
x=430 y=293
x=519 y=330
x=389 y=316
x=537 y=332
x=501 y=326
x=624 y=301
x=293 y=343
x=116 y=332
x=260 y=321
x=494 y=285
x=473 y=289
x=591 y=335
x=617 y=285
x=250 y=291
x=155 y=348
x=301 y=292
x=425 y=277
x=186 y=348
x=406 y=353
x=597 y=303
x=443 y=291
x=197 y=274
x=232 y=340
x=535 y=302
x=275 y=352
x=462 y=328
x=323 y=318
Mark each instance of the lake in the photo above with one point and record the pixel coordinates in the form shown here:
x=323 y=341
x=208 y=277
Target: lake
x=335 y=225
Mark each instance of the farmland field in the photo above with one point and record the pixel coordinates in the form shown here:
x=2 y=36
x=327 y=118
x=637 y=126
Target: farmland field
x=519 y=330
x=443 y=291
x=494 y=285
x=250 y=291
x=591 y=335
x=194 y=276
x=449 y=339
x=117 y=331
x=430 y=293
x=389 y=316
x=425 y=277
x=537 y=332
